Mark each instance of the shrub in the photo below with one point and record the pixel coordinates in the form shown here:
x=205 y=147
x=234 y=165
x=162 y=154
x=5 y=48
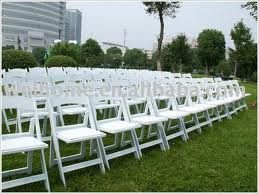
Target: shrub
x=60 y=61
x=39 y=54
x=187 y=68
x=17 y=59
x=66 y=49
x=223 y=67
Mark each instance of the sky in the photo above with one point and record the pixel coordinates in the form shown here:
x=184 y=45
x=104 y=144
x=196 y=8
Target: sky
x=106 y=21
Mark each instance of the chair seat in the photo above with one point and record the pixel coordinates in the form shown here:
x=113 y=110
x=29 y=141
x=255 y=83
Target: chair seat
x=135 y=101
x=192 y=109
x=218 y=102
x=171 y=114
x=117 y=126
x=73 y=109
x=15 y=143
x=204 y=105
x=233 y=98
x=162 y=97
x=72 y=135
x=148 y=119
x=42 y=112
x=106 y=106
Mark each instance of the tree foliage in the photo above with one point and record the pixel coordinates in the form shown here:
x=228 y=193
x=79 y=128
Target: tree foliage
x=161 y=9
x=39 y=54
x=252 y=6
x=176 y=54
x=224 y=68
x=17 y=59
x=60 y=61
x=135 y=58
x=91 y=54
x=244 y=56
x=66 y=49
x=113 y=57
x=211 y=48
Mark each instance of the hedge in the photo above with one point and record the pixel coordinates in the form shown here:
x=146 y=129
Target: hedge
x=17 y=59
x=60 y=61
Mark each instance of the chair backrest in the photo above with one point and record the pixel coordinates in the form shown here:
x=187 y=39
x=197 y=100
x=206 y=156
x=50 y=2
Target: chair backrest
x=38 y=74
x=20 y=73
x=23 y=103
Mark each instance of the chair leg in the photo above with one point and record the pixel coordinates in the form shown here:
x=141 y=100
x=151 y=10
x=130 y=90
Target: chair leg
x=162 y=135
x=181 y=126
x=226 y=110
x=99 y=155
x=44 y=170
x=30 y=161
x=82 y=149
x=106 y=162
x=51 y=153
x=134 y=143
x=6 y=121
x=58 y=157
x=207 y=116
x=196 y=121
x=234 y=108
x=217 y=114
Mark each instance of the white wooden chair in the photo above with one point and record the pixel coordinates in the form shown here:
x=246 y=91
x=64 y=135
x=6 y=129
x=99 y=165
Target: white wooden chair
x=73 y=134
x=193 y=106
x=116 y=125
x=24 y=142
x=171 y=112
x=149 y=118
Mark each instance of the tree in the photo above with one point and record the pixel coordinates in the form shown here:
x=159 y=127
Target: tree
x=66 y=49
x=135 y=58
x=242 y=37
x=39 y=53
x=113 y=57
x=91 y=53
x=175 y=54
x=180 y=51
x=17 y=59
x=223 y=68
x=211 y=48
x=167 y=58
x=161 y=9
x=252 y=6
x=247 y=60
x=60 y=61
x=114 y=50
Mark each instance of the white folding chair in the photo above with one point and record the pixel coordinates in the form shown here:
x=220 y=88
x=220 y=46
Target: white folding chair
x=74 y=133
x=116 y=125
x=193 y=106
x=149 y=118
x=24 y=142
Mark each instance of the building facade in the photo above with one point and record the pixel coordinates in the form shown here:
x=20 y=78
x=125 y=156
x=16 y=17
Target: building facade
x=73 y=25
x=36 y=24
x=107 y=45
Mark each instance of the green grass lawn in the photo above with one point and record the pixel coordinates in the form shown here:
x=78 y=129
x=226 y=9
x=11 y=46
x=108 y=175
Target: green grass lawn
x=222 y=158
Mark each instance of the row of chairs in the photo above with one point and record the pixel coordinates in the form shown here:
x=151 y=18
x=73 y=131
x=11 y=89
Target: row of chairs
x=126 y=118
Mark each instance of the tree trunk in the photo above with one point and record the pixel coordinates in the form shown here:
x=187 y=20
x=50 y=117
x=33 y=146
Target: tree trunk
x=206 y=69
x=235 y=70
x=160 y=41
x=180 y=65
